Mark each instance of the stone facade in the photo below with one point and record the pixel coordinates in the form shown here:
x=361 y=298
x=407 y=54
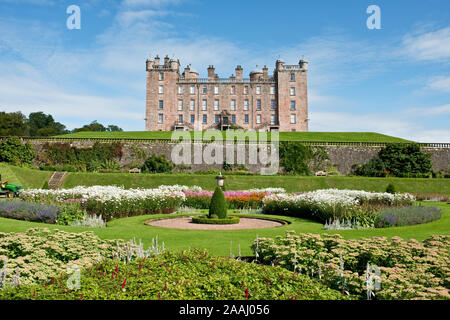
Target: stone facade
x=184 y=101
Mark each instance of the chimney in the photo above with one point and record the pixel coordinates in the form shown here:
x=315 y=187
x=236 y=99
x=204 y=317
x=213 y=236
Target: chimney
x=187 y=71
x=211 y=74
x=157 y=60
x=166 y=61
x=265 y=72
x=238 y=73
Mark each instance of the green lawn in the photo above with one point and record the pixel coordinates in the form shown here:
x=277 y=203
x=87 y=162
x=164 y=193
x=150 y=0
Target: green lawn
x=237 y=182
x=27 y=178
x=219 y=242
x=285 y=136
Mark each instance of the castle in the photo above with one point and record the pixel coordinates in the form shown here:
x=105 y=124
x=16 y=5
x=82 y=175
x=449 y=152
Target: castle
x=184 y=101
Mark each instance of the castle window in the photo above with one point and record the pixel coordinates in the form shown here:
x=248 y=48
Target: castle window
x=160 y=118
x=272 y=104
x=216 y=90
x=161 y=89
x=292 y=91
x=180 y=118
x=204 y=89
x=192 y=90
x=216 y=105
x=292 y=76
x=258 y=104
x=233 y=118
x=161 y=76
x=192 y=106
x=161 y=104
x=233 y=90
x=246 y=118
x=205 y=118
x=233 y=105
x=180 y=105
x=258 y=118
x=217 y=118
x=204 y=105
x=272 y=90
x=272 y=119
x=258 y=90
x=292 y=105
x=246 y=90
x=246 y=104
x=180 y=90
x=293 y=119
x=192 y=118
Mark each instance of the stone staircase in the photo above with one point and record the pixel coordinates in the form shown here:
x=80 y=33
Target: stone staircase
x=56 y=180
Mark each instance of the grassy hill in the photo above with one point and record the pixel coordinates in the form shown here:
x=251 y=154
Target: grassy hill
x=286 y=136
x=27 y=178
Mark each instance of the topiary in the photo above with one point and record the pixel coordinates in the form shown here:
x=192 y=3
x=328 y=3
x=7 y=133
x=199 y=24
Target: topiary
x=390 y=188
x=218 y=205
x=157 y=164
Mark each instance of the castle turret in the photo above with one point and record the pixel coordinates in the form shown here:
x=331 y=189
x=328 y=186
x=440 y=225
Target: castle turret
x=157 y=60
x=303 y=64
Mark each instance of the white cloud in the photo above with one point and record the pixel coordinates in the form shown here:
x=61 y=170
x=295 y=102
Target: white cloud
x=440 y=84
x=428 y=46
x=148 y=3
x=431 y=111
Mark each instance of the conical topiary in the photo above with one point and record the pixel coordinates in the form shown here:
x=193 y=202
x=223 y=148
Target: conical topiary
x=218 y=205
x=390 y=188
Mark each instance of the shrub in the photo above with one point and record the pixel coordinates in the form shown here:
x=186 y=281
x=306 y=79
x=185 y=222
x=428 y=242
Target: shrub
x=218 y=205
x=409 y=269
x=294 y=157
x=12 y=150
x=157 y=164
x=41 y=254
x=399 y=160
x=36 y=212
x=186 y=275
x=390 y=188
x=406 y=216
x=214 y=219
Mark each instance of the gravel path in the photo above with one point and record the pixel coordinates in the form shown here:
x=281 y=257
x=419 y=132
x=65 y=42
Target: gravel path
x=186 y=223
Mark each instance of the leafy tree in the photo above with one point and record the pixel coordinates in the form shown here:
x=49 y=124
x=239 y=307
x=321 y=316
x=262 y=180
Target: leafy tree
x=13 y=124
x=12 y=150
x=399 y=160
x=113 y=128
x=43 y=125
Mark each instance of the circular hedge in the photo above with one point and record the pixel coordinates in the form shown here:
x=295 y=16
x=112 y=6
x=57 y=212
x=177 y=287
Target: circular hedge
x=206 y=220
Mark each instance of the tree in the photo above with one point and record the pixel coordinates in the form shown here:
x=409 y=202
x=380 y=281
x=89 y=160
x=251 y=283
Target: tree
x=13 y=124
x=95 y=126
x=113 y=128
x=43 y=125
x=12 y=150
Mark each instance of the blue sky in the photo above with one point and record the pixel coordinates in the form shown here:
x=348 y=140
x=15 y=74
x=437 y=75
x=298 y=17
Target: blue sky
x=394 y=81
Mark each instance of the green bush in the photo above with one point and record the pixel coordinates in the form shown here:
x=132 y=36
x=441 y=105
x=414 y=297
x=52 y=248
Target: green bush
x=398 y=160
x=12 y=150
x=157 y=164
x=390 y=188
x=186 y=275
x=218 y=205
x=214 y=219
x=294 y=157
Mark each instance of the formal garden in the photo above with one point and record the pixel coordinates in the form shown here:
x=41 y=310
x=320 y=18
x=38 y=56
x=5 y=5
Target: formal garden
x=128 y=244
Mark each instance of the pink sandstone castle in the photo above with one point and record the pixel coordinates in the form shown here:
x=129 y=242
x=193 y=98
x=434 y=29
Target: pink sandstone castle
x=184 y=101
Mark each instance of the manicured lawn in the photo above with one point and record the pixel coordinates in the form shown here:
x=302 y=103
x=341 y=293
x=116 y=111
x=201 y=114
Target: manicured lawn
x=27 y=178
x=285 y=136
x=218 y=242
x=237 y=182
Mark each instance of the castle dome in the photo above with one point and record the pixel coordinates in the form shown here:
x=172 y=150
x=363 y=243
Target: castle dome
x=257 y=70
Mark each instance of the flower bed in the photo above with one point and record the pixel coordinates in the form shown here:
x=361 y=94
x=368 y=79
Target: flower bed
x=39 y=254
x=331 y=204
x=407 y=216
x=111 y=201
x=408 y=269
x=234 y=199
x=192 y=275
